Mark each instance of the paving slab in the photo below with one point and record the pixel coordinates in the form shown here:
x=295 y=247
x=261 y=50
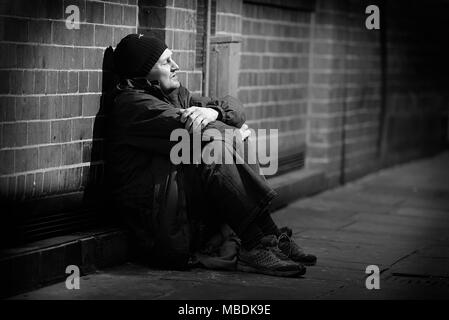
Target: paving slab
x=412 y=222
x=428 y=203
x=424 y=213
x=349 y=273
x=403 y=191
x=395 y=231
x=137 y=282
x=417 y=265
x=304 y=219
x=409 y=289
x=364 y=254
x=382 y=240
x=436 y=251
x=330 y=205
x=364 y=197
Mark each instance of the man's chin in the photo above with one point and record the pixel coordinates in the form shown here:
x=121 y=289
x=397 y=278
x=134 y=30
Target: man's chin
x=174 y=84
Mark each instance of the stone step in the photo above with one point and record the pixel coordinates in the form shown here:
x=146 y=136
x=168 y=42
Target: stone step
x=44 y=262
x=296 y=184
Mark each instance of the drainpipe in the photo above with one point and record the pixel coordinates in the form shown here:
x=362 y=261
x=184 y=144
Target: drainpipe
x=207 y=49
x=383 y=116
x=343 y=119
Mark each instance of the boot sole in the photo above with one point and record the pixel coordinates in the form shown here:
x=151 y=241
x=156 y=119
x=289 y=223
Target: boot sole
x=247 y=268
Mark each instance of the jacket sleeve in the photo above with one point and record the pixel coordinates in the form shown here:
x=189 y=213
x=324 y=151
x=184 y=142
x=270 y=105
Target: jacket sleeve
x=154 y=119
x=146 y=123
x=230 y=110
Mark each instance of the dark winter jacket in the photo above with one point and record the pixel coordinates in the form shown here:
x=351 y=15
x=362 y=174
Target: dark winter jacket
x=146 y=187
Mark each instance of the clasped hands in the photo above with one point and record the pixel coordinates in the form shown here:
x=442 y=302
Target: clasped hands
x=197 y=118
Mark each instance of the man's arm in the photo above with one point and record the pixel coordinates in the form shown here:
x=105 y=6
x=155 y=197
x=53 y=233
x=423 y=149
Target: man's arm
x=155 y=120
x=145 y=123
x=230 y=110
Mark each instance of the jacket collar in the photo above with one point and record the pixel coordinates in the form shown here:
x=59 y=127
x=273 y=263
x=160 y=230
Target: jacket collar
x=139 y=84
x=151 y=87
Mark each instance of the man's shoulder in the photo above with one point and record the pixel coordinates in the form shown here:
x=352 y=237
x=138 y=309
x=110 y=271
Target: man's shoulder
x=131 y=96
x=151 y=96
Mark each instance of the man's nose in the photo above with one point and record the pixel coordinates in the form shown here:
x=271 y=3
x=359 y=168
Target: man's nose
x=174 y=66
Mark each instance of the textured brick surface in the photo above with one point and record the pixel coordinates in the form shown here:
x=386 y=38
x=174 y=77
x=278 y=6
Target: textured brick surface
x=346 y=84
x=49 y=74
x=345 y=89
x=175 y=23
x=273 y=77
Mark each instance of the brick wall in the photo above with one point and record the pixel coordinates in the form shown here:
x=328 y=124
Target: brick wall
x=274 y=71
x=417 y=79
x=51 y=84
x=228 y=17
x=174 y=21
x=345 y=91
x=375 y=99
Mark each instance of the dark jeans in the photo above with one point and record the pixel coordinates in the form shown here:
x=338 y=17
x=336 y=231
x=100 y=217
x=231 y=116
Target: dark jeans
x=233 y=193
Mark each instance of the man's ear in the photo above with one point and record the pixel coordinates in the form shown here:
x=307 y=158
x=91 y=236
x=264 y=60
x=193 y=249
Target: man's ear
x=152 y=75
x=151 y=78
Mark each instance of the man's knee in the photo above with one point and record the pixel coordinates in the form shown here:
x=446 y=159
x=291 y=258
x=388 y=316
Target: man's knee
x=223 y=151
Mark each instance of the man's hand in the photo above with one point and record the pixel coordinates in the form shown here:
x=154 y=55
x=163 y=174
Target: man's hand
x=244 y=131
x=197 y=118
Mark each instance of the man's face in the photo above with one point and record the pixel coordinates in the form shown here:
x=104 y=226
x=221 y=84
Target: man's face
x=165 y=71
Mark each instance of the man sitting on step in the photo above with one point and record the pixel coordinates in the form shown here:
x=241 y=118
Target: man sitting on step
x=161 y=202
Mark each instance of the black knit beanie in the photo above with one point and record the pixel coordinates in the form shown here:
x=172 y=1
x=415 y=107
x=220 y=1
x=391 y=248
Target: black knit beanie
x=136 y=55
